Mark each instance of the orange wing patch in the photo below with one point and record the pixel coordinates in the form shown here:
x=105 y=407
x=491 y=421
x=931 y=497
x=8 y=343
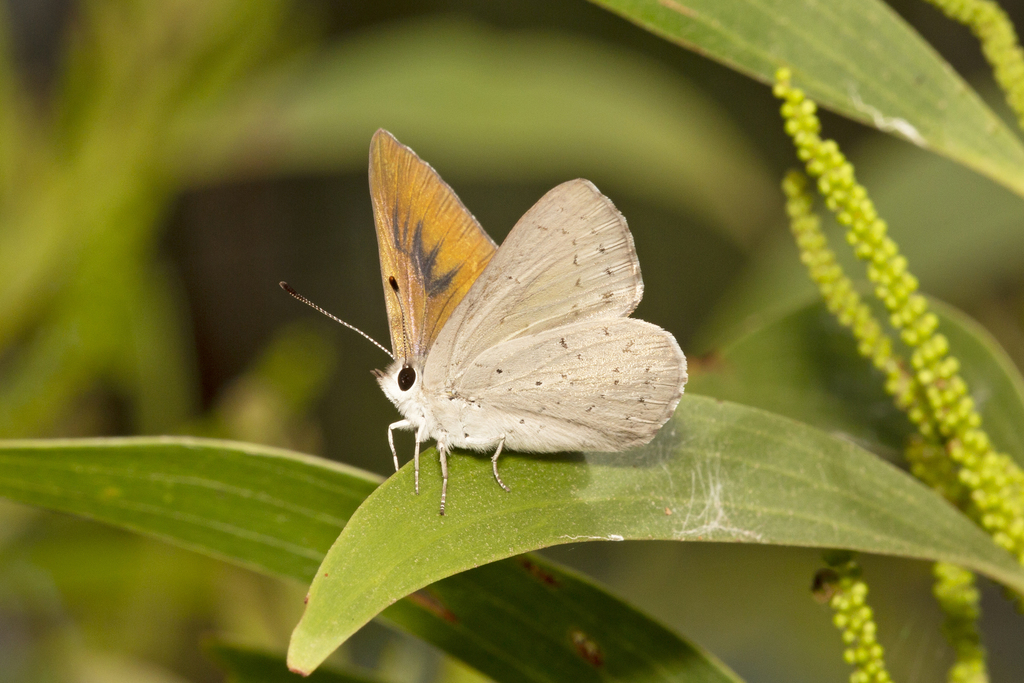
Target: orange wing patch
x=429 y=243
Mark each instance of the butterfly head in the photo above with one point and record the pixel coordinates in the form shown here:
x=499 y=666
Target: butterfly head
x=402 y=384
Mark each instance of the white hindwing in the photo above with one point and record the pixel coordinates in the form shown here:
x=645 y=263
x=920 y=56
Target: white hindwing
x=569 y=259
x=602 y=385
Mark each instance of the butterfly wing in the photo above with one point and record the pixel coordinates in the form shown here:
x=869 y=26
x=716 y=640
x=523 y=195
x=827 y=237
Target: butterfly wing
x=569 y=259
x=429 y=243
x=603 y=385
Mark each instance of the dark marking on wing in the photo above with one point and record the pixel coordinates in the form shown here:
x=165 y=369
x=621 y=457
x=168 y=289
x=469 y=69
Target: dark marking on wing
x=425 y=262
x=399 y=229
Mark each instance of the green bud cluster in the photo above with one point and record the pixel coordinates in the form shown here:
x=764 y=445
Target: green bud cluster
x=947 y=413
x=929 y=463
x=990 y=25
x=856 y=622
x=927 y=458
x=842 y=298
x=958 y=597
x=952 y=453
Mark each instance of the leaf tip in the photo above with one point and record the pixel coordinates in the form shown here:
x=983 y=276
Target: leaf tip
x=298 y=667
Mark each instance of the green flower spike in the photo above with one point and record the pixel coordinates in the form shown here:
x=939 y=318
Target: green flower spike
x=845 y=303
x=846 y=594
x=947 y=414
x=920 y=394
x=927 y=458
x=958 y=597
x=990 y=25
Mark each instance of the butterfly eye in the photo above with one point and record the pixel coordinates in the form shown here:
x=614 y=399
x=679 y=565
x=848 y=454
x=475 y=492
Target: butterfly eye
x=406 y=378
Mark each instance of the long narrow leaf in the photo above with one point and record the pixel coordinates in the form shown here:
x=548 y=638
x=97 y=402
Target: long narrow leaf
x=272 y=510
x=857 y=57
x=717 y=472
x=278 y=512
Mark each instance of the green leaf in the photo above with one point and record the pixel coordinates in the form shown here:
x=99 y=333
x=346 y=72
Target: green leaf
x=278 y=512
x=595 y=637
x=858 y=58
x=588 y=635
x=268 y=509
x=245 y=665
x=717 y=472
x=485 y=104
x=805 y=365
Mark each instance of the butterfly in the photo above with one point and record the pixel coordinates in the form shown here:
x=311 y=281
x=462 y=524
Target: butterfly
x=527 y=347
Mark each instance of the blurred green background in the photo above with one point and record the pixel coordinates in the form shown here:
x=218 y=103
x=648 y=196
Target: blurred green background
x=164 y=164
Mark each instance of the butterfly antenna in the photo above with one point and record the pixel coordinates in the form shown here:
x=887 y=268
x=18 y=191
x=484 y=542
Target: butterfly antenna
x=288 y=288
x=394 y=285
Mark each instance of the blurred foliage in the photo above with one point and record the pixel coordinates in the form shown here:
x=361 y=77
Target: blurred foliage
x=270 y=402
x=86 y=297
x=246 y=665
x=164 y=164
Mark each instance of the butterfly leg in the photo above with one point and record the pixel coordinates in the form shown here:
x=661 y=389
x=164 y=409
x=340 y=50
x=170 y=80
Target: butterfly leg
x=443 y=450
x=416 y=458
x=401 y=424
x=494 y=464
